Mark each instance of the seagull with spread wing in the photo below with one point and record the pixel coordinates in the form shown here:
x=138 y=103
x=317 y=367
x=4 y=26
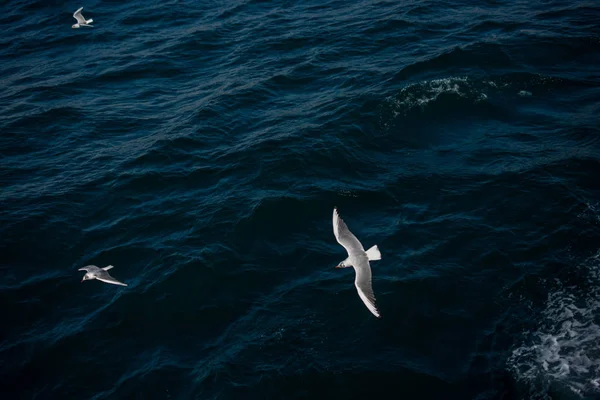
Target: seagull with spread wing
x=81 y=21
x=359 y=259
x=93 y=272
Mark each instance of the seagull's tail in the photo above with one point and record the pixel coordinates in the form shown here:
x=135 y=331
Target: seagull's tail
x=373 y=253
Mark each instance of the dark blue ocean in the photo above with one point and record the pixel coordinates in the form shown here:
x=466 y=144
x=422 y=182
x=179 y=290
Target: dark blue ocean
x=200 y=147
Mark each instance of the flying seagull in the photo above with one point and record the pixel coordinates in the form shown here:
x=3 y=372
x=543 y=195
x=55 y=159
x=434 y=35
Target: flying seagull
x=94 y=272
x=359 y=259
x=81 y=21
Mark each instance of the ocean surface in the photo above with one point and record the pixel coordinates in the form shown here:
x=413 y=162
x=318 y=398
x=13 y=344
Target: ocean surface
x=201 y=146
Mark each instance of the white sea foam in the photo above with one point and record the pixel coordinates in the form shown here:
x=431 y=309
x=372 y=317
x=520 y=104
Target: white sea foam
x=418 y=95
x=421 y=93
x=564 y=351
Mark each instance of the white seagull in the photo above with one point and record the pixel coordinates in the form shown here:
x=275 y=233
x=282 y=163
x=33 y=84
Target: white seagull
x=359 y=259
x=81 y=21
x=94 y=272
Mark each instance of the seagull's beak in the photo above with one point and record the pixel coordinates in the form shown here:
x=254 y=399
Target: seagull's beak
x=82 y=280
x=339 y=266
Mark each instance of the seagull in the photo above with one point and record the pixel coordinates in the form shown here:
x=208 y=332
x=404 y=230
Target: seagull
x=81 y=21
x=359 y=259
x=94 y=272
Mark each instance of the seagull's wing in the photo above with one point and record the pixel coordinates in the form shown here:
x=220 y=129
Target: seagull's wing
x=77 y=15
x=89 y=268
x=105 y=277
x=344 y=236
x=364 y=286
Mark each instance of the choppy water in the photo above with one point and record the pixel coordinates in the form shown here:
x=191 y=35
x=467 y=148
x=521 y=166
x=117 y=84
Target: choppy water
x=200 y=147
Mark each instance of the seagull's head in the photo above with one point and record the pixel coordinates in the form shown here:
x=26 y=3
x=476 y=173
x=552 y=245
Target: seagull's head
x=75 y=26
x=345 y=264
x=88 y=275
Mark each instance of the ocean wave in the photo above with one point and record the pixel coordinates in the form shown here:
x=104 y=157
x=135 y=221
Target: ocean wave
x=200 y=148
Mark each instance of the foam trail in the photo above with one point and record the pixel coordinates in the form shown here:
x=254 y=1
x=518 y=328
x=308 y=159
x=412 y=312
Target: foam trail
x=564 y=351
